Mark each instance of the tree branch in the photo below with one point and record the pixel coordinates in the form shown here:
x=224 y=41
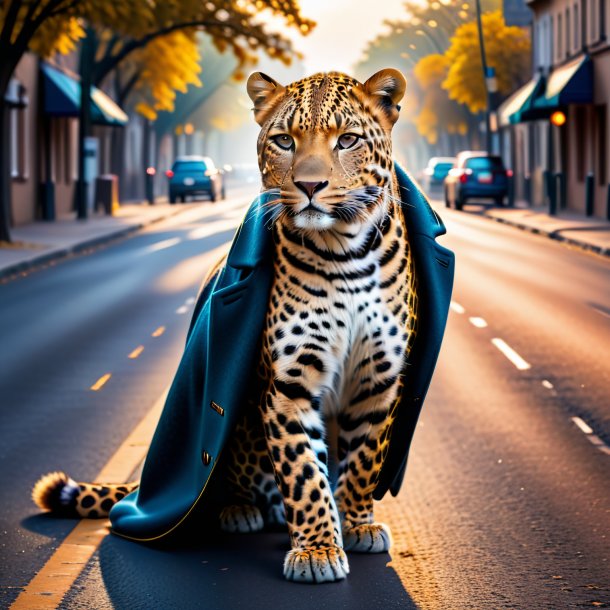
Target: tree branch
x=9 y=24
x=29 y=29
x=102 y=68
x=127 y=88
x=65 y=9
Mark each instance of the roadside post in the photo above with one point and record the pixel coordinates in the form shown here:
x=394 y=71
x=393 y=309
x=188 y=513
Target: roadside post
x=150 y=185
x=589 y=191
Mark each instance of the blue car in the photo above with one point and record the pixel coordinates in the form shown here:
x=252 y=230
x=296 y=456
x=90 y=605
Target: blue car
x=436 y=171
x=194 y=175
x=476 y=175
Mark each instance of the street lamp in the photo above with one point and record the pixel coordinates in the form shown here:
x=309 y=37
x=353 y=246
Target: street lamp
x=489 y=74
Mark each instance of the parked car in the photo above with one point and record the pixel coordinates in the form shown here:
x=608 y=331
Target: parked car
x=194 y=175
x=476 y=175
x=435 y=172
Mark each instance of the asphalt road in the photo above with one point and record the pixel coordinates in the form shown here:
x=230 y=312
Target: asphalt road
x=506 y=502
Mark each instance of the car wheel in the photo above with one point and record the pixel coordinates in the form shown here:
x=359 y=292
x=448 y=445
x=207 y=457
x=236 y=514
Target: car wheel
x=223 y=192
x=499 y=201
x=447 y=203
x=459 y=203
x=172 y=197
x=183 y=198
x=213 y=196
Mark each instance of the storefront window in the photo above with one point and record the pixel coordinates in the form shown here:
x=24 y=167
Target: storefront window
x=18 y=139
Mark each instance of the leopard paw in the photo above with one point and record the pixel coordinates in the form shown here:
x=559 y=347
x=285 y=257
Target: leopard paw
x=324 y=564
x=241 y=518
x=367 y=538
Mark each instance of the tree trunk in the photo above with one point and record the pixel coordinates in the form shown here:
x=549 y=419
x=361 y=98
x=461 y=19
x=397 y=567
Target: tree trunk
x=5 y=169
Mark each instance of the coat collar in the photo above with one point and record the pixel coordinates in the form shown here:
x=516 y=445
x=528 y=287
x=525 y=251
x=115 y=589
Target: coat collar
x=253 y=241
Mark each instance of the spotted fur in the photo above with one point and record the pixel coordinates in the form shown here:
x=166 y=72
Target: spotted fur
x=340 y=322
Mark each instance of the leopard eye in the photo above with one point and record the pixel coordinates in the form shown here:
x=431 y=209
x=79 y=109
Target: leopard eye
x=284 y=141
x=347 y=140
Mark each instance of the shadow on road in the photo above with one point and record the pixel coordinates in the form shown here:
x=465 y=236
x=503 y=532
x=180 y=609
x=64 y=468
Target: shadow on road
x=243 y=571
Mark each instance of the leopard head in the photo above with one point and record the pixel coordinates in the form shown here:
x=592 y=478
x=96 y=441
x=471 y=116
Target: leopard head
x=325 y=146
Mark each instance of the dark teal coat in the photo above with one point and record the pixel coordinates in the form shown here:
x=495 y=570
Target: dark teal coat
x=211 y=384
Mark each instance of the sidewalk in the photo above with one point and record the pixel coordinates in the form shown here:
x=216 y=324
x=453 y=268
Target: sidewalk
x=591 y=234
x=40 y=242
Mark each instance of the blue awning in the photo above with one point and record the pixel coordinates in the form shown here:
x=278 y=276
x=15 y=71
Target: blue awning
x=62 y=98
x=511 y=110
x=570 y=84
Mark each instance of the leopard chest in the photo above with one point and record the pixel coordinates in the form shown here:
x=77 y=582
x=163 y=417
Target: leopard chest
x=337 y=324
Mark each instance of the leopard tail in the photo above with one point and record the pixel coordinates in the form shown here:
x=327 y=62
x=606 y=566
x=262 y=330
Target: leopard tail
x=59 y=494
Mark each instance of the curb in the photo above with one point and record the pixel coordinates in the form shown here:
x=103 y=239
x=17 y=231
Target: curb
x=64 y=252
x=582 y=245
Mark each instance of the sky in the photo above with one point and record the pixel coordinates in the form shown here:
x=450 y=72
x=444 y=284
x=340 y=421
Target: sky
x=343 y=31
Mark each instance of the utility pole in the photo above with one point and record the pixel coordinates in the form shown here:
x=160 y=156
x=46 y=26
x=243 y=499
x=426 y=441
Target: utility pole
x=489 y=76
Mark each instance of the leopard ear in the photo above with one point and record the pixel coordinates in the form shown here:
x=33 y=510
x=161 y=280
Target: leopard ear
x=263 y=91
x=387 y=87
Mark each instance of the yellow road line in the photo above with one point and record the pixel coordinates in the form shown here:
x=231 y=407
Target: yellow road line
x=136 y=352
x=99 y=384
x=159 y=331
x=47 y=589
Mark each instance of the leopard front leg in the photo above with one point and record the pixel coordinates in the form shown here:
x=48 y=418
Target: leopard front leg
x=363 y=442
x=294 y=431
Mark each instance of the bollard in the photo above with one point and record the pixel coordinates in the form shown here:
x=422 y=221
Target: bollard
x=527 y=189
x=589 y=192
x=511 y=190
x=560 y=190
x=47 y=200
x=150 y=185
x=107 y=193
x=549 y=183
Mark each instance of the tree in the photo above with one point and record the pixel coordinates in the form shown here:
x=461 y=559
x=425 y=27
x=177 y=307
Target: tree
x=438 y=114
x=54 y=25
x=508 y=50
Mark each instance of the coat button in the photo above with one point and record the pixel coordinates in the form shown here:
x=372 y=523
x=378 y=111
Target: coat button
x=206 y=458
x=217 y=408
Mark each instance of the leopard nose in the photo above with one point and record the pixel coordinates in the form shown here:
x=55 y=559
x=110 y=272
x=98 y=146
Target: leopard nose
x=310 y=188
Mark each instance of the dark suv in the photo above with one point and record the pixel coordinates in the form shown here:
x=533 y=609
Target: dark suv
x=476 y=175
x=194 y=175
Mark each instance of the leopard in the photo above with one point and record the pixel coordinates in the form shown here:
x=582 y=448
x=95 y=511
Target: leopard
x=340 y=323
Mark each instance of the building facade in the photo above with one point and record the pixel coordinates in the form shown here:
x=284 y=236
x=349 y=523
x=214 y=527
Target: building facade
x=557 y=127
x=44 y=101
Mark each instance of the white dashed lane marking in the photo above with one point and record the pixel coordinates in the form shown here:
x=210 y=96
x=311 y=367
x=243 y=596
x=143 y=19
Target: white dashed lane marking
x=511 y=354
x=187 y=305
x=456 y=307
x=162 y=245
x=584 y=427
x=523 y=365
